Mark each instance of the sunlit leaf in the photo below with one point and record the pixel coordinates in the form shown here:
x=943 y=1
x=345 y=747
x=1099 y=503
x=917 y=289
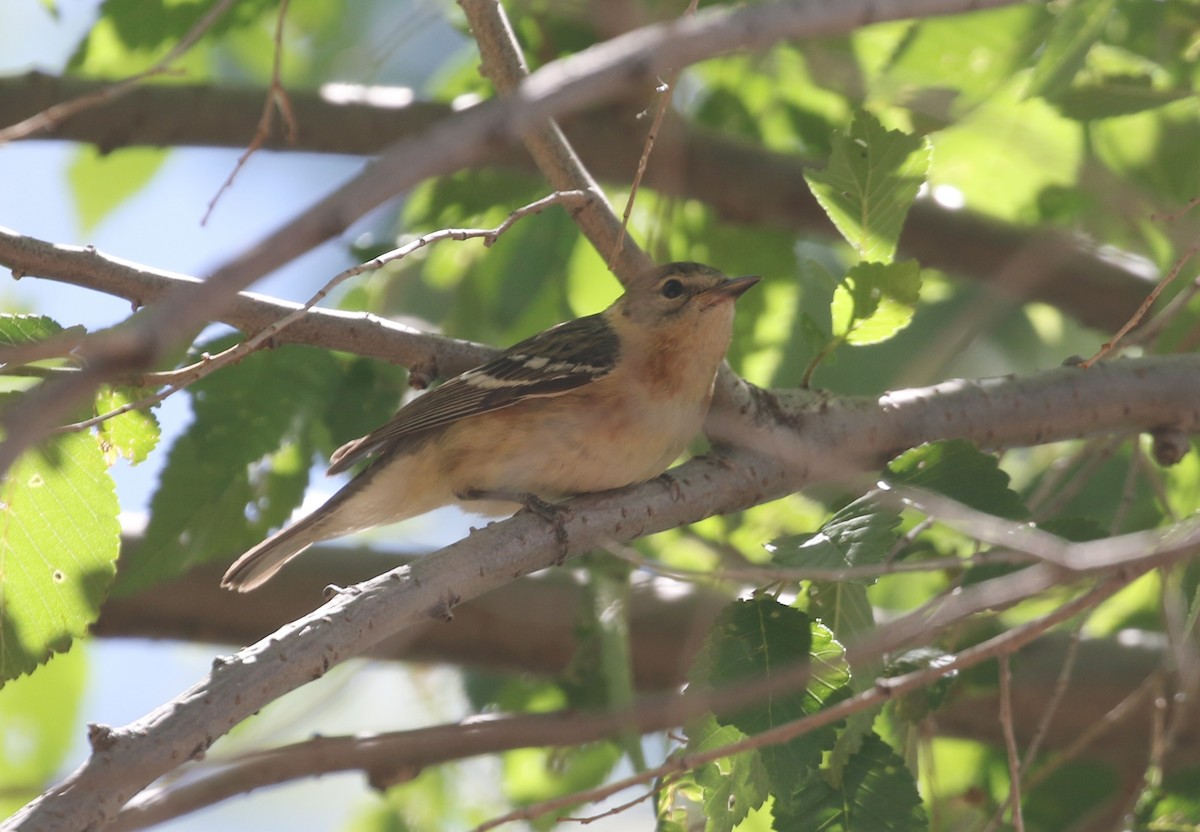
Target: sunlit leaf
x=875 y=301
x=57 y=552
x=870 y=182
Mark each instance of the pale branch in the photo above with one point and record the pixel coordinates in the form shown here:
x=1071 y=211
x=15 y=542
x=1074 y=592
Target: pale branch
x=385 y=759
x=1065 y=403
x=126 y=760
x=357 y=332
x=742 y=182
x=505 y=66
x=527 y=626
x=1110 y=672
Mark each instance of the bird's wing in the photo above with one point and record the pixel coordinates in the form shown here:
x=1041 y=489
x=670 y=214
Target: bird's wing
x=550 y=363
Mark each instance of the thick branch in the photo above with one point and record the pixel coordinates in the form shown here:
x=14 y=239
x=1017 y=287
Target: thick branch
x=1150 y=392
x=742 y=182
x=505 y=66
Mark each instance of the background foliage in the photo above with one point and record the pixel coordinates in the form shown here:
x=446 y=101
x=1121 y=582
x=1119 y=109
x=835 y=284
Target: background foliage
x=1074 y=121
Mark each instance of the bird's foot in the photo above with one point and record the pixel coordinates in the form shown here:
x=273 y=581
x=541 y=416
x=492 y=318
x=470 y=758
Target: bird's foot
x=551 y=513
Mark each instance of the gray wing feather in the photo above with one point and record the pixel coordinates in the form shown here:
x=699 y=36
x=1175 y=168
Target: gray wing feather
x=550 y=363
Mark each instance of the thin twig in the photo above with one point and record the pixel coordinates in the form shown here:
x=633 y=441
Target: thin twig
x=665 y=91
x=1010 y=744
x=1109 y=346
x=768 y=574
x=185 y=376
x=276 y=100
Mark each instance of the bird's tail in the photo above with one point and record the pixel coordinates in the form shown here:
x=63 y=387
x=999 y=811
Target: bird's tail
x=257 y=565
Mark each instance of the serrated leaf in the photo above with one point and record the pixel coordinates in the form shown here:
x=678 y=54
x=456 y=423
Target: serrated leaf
x=870 y=182
x=215 y=495
x=27 y=329
x=860 y=534
x=133 y=434
x=1078 y=27
x=878 y=793
x=100 y=183
x=60 y=540
x=875 y=301
x=759 y=638
x=731 y=787
x=959 y=470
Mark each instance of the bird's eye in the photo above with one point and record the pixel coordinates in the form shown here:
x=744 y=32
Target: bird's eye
x=672 y=289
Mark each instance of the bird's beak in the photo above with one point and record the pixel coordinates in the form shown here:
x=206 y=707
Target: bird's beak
x=731 y=288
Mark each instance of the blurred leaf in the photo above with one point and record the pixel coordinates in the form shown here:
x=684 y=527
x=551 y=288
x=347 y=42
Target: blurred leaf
x=870 y=183
x=914 y=707
x=132 y=435
x=875 y=301
x=731 y=787
x=1115 y=96
x=210 y=502
x=1005 y=152
x=100 y=183
x=860 y=534
x=130 y=35
x=38 y=723
x=1077 y=28
x=878 y=793
x=957 y=469
x=60 y=542
x=532 y=775
x=947 y=65
x=600 y=675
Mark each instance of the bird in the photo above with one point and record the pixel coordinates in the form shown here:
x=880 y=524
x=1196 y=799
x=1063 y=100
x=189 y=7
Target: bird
x=592 y=404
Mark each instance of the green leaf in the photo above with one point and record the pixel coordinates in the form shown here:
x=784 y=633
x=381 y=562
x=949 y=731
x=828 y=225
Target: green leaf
x=60 y=542
x=878 y=794
x=960 y=471
x=38 y=721
x=757 y=639
x=532 y=775
x=1078 y=27
x=870 y=183
x=216 y=496
x=731 y=787
x=875 y=301
x=101 y=182
x=914 y=707
x=132 y=435
x=948 y=65
x=600 y=674
x=860 y=534
x=1114 y=96
x=28 y=329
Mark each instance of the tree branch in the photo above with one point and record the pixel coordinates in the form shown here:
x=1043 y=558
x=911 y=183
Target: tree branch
x=768 y=189
x=1148 y=391
x=504 y=65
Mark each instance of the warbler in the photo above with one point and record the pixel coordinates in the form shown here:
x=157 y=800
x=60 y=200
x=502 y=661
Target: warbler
x=592 y=404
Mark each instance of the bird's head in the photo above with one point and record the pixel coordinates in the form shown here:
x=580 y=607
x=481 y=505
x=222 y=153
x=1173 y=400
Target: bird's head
x=681 y=294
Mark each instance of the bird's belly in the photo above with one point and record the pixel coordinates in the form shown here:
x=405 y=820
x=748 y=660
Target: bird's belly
x=552 y=448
